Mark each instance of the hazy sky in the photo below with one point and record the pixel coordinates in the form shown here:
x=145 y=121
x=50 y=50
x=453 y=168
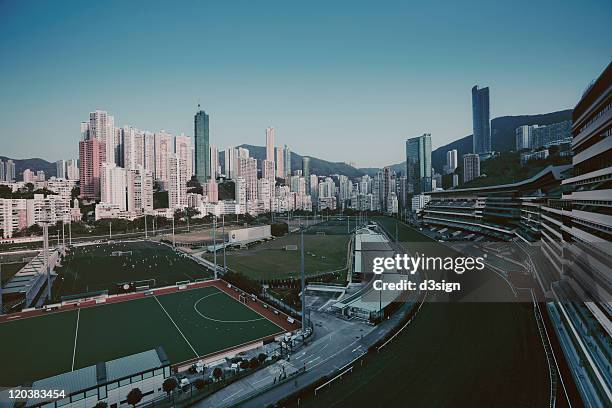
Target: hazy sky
x=339 y=80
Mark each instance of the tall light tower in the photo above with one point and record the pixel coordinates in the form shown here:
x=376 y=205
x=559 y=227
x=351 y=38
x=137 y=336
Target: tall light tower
x=303 y=278
x=46 y=256
x=215 y=243
x=224 y=241
x=0 y=286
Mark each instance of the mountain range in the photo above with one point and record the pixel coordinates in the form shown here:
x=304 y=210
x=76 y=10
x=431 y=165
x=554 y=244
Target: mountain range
x=34 y=164
x=502 y=140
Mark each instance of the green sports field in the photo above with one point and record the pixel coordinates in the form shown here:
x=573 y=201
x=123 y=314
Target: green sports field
x=92 y=268
x=187 y=324
x=269 y=260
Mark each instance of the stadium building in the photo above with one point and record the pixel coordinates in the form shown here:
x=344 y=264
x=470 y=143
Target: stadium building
x=501 y=212
x=577 y=237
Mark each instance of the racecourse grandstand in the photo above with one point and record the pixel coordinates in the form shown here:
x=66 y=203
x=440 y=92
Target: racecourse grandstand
x=499 y=212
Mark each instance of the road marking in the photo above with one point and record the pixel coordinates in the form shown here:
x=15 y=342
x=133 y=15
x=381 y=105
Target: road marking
x=263 y=379
x=76 y=335
x=233 y=395
x=175 y=325
x=355 y=349
x=313 y=360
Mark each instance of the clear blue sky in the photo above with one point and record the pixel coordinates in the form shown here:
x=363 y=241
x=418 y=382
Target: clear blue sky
x=340 y=80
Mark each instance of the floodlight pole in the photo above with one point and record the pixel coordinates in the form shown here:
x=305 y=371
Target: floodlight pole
x=224 y=242
x=173 y=243
x=303 y=279
x=46 y=256
x=145 y=223
x=110 y=230
x=215 y=243
x=63 y=234
x=70 y=233
x=0 y=286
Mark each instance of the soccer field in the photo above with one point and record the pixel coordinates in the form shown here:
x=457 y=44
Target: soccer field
x=269 y=260
x=187 y=324
x=93 y=268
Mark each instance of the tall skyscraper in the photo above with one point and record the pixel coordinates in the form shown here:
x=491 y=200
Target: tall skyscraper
x=2 y=171
x=480 y=120
x=202 y=146
x=287 y=163
x=306 y=172
x=280 y=170
x=90 y=160
x=270 y=144
x=60 y=169
x=149 y=152
x=471 y=167
x=418 y=164
x=451 y=160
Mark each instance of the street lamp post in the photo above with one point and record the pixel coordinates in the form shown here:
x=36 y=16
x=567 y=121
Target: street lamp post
x=303 y=279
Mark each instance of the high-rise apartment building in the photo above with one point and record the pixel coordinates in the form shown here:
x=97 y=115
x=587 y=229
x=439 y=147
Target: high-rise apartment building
x=60 y=169
x=418 y=164
x=101 y=126
x=451 y=161
x=10 y=171
x=164 y=148
x=72 y=169
x=270 y=144
x=471 y=167
x=280 y=170
x=524 y=137
x=184 y=149
x=214 y=162
x=133 y=148
x=306 y=172
x=481 y=124
x=201 y=146
x=287 y=163
x=177 y=183
x=90 y=160
x=113 y=186
x=139 y=190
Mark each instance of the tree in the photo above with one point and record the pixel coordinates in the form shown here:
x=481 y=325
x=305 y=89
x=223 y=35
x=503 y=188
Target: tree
x=254 y=362
x=101 y=404
x=262 y=357
x=29 y=187
x=134 y=397
x=169 y=385
x=200 y=383
x=218 y=373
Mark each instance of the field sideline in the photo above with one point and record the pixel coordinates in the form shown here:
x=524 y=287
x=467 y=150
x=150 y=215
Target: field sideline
x=188 y=324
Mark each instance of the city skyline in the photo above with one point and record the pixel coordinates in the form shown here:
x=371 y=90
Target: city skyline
x=319 y=99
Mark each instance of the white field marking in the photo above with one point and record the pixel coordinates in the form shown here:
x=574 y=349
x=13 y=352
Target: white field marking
x=195 y=307
x=76 y=335
x=250 y=308
x=175 y=325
